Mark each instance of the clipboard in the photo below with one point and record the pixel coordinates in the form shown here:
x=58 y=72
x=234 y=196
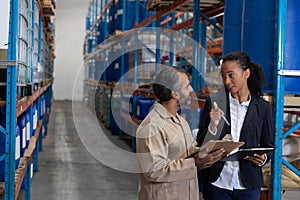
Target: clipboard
x=214 y=145
x=242 y=153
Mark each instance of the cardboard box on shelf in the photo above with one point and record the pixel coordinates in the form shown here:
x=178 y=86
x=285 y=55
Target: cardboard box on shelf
x=289 y=179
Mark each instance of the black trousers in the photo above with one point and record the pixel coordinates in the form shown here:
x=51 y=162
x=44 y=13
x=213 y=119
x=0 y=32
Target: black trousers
x=211 y=192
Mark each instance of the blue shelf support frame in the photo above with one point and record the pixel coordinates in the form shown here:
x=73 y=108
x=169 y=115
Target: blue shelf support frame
x=202 y=58
x=157 y=49
x=28 y=181
x=36 y=150
x=123 y=53
x=11 y=102
x=11 y=94
x=105 y=34
x=279 y=96
x=136 y=46
x=196 y=57
x=40 y=139
x=172 y=47
x=195 y=45
x=279 y=77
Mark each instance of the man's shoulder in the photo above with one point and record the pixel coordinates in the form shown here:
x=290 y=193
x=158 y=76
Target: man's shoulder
x=153 y=121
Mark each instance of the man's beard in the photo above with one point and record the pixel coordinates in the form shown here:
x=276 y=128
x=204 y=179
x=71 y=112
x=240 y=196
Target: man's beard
x=184 y=101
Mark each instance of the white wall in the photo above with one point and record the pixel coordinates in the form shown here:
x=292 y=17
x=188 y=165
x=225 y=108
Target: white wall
x=4 y=21
x=69 y=36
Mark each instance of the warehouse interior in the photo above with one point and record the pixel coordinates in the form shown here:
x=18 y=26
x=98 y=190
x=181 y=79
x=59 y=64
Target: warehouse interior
x=76 y=83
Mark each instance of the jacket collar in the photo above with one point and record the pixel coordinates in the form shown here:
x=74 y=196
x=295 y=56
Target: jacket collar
x=166 y=114
x=252 y=109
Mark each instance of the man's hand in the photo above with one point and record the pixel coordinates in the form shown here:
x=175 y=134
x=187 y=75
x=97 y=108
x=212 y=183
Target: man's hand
x=204 y=160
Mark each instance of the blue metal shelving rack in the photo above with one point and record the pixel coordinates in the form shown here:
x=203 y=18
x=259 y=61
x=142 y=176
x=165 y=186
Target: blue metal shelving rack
x=94 y=18
x=11 y=97
x=279 y=73
x=279 y=76
x=10 y=191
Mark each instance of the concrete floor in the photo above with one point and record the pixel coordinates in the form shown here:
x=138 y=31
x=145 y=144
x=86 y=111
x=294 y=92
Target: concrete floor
x=67 y=171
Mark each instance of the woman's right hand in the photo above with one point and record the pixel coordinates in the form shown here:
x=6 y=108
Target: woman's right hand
x=215 y=116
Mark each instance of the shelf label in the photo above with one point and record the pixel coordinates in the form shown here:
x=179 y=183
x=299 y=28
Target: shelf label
x=17 y=153
x=31 y=170
x=24 y=134
x=28 y=130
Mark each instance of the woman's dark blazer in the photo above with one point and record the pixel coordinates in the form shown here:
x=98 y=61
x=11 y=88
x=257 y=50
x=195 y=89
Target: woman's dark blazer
x=257 y=131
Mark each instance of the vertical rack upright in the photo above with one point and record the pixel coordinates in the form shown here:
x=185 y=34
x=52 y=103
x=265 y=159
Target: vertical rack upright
x=11 y=96
x=279 y=76
x=24 y=40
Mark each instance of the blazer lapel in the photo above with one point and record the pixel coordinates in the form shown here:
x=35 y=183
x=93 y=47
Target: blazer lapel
x=224 y=106
x=251 y=111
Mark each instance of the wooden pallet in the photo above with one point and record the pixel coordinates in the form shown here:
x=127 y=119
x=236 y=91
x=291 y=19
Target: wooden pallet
x=215 y=47
x=289 y=179
x=48 y=8
x=53 y=54
x=156 y=5
x=47 y=2
x=48 y=27
x=47 y=19
x=50 y=37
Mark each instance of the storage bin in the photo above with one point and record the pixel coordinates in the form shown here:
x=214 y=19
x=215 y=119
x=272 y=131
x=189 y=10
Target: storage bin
x=2 y=151
x=143 y=106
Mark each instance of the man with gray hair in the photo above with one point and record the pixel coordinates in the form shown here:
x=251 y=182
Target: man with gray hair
x=165 y=146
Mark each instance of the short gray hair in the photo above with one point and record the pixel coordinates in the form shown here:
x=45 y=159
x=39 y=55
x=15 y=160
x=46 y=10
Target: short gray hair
x=166 y=81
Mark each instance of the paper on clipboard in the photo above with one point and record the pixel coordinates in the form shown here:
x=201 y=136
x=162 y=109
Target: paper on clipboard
x=214 y=145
